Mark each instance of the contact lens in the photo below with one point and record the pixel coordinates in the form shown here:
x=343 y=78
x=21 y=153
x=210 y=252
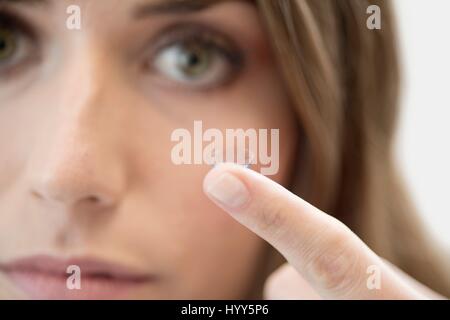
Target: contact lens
x=242 y=157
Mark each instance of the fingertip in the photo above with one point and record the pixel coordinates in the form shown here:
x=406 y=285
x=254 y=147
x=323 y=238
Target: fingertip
x=226 y=188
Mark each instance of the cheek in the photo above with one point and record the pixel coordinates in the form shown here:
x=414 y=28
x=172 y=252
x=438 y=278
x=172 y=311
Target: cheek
x=205 y=249
x=27 y=123
x=13 y=142
x=191 y=207
x=196 y=244
x=19 y=126
x=220 y=253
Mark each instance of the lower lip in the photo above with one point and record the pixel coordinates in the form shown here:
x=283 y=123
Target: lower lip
x=47 y=286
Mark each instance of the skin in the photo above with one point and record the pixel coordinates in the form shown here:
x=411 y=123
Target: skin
x=86 y=171
x=326 y=259
x=86 y=122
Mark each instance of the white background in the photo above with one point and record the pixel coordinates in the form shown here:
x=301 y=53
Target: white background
x=424 y=131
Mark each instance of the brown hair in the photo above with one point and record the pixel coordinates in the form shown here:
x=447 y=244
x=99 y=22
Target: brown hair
x=344 y=82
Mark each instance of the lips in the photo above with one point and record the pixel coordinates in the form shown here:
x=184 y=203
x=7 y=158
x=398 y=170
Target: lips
x=45 y=277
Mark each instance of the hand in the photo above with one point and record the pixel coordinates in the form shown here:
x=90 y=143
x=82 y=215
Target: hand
x=329 y=259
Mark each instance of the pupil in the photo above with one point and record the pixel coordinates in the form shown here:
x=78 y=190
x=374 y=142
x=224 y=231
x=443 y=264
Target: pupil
x=193 y=59
x=5 y=43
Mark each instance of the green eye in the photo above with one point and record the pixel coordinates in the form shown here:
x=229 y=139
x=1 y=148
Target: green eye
x=18 y=47
x=195 y=57
x=193 y=60
x=8 y=43
x=193 y=64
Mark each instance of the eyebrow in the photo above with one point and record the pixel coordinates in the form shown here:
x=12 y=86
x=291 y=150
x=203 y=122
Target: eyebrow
x=176 y=7
x=146 y=9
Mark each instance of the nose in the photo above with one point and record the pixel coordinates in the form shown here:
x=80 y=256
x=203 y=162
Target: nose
x=78 y=176
x=79 y=161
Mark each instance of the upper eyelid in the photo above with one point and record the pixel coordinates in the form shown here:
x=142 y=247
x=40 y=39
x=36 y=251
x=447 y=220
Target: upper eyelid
x=190 y=29
x=27 y=36
x=11 y=18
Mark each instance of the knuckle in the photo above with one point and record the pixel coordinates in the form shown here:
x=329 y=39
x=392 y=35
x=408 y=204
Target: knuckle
x=334 y=267
x=271 y=216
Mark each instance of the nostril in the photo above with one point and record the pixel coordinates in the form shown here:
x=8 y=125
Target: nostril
x=73 y=198
x=37 y=195
x=75 y=187
x=93 y=199
x=97 y=200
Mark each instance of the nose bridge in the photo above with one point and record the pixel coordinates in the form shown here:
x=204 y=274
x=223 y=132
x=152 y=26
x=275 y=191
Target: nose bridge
x=87 y=78
x=83 y=163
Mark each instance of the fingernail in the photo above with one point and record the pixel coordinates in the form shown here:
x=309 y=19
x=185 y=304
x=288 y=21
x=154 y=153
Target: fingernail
x=227 y=189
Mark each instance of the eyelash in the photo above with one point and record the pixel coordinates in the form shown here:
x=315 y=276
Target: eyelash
x=175 y=35
x=194 y=33
x=22 y=33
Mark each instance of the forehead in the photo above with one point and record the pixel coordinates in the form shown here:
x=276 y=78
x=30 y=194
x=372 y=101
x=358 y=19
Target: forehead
x=131 y=8
x=155 y=4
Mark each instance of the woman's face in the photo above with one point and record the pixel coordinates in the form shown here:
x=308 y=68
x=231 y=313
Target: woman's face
x=86 y=118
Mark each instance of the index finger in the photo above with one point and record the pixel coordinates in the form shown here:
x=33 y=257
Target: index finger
x=331 y=257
